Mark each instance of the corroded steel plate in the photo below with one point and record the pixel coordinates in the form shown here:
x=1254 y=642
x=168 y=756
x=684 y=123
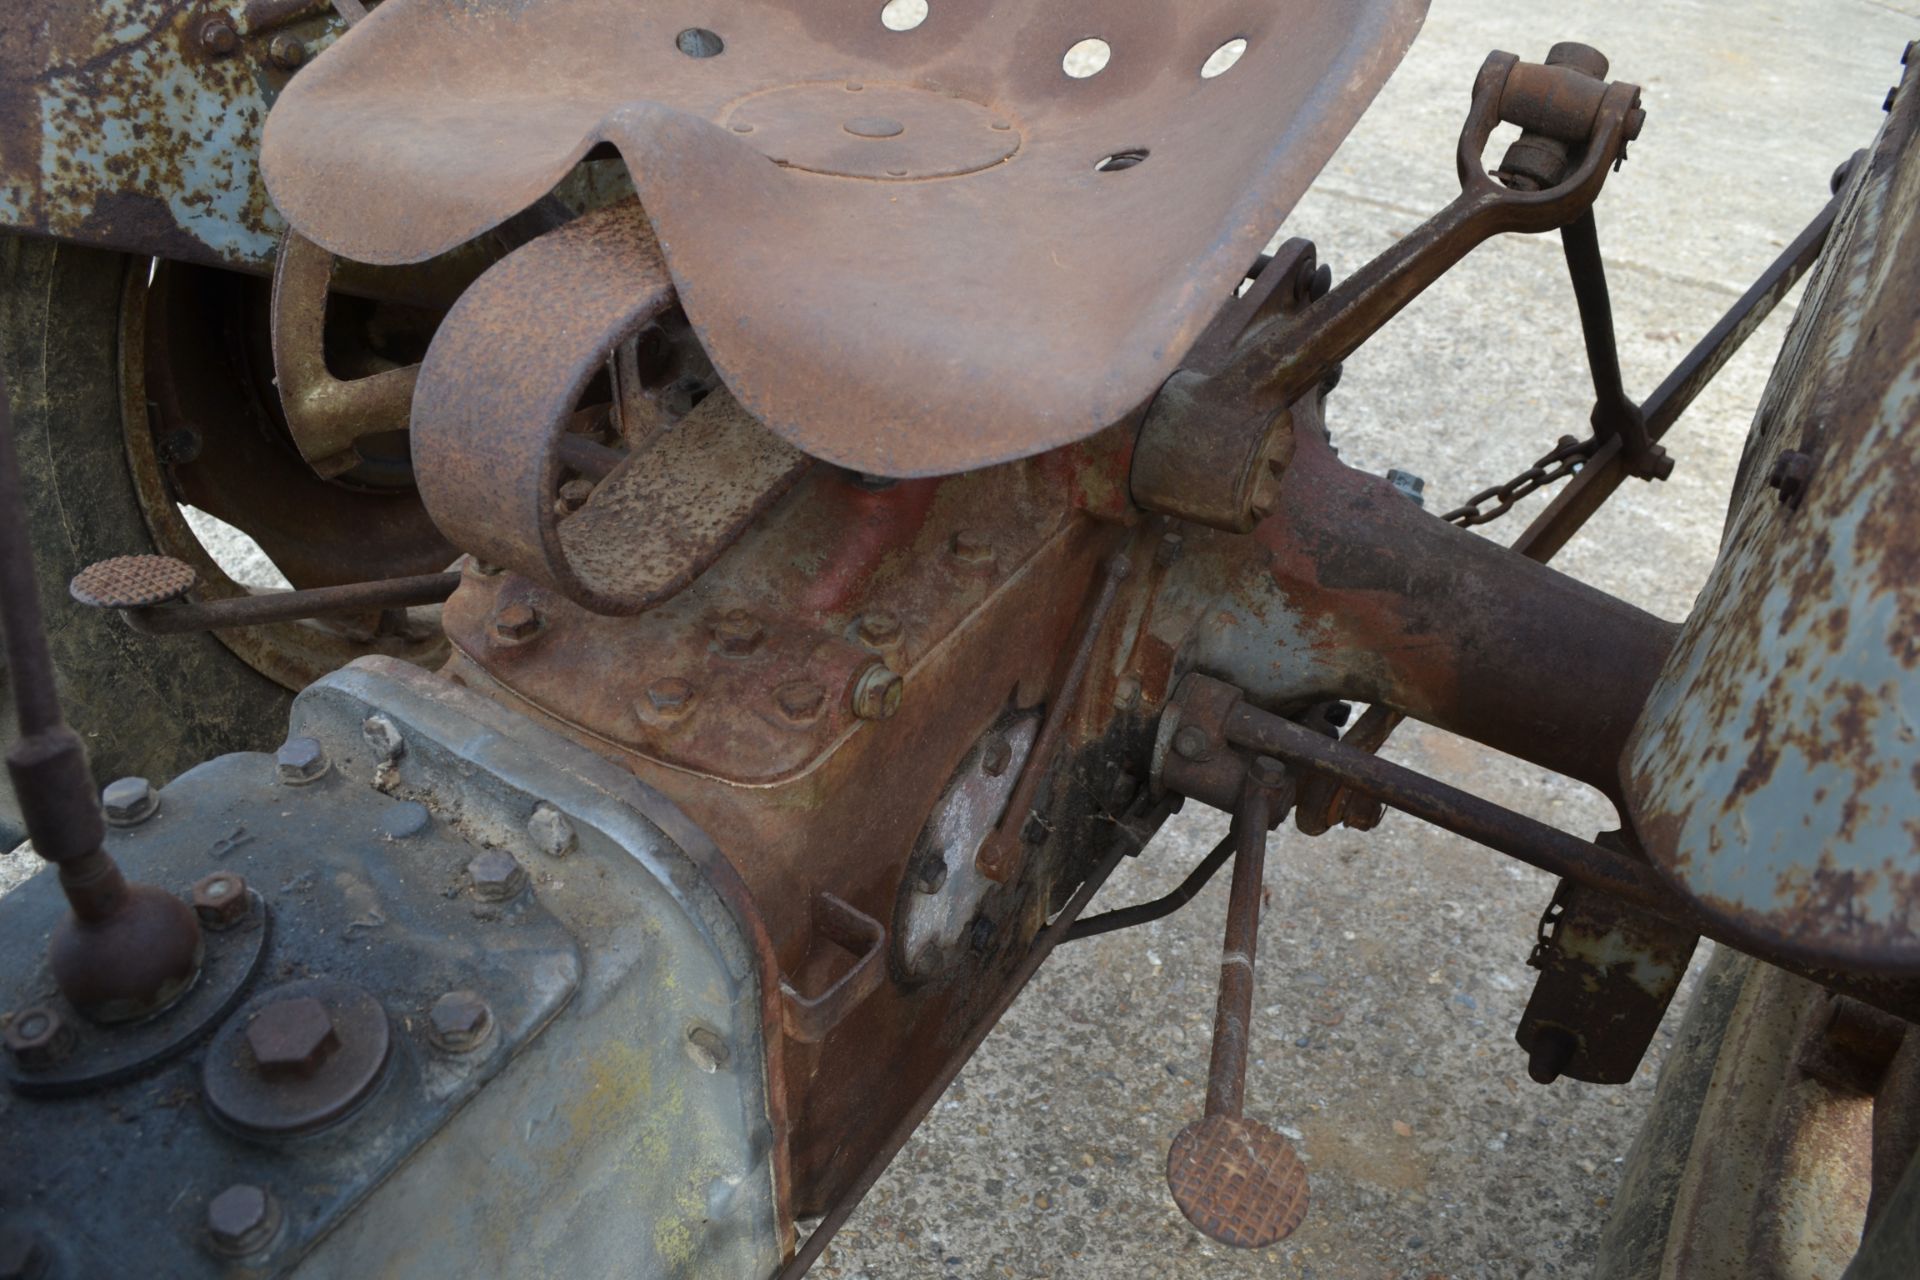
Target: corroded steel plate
x=908 y=252
x=1775 y=773
x=1237 y=1181
x=132 y=582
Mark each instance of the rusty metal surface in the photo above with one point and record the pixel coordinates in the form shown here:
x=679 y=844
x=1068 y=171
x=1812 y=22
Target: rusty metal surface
x=1237 y=1181
x=132 y=582
x=130 y=124
x=1773 y=775
x=891 y=321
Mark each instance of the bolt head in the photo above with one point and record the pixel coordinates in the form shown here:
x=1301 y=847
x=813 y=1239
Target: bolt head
x=37 y=1037
x=877 y=692
x=738 y=633
x=1171 y=547
x=242 y=1219
x=459 y=1021
x=1790 y=474
x=287 y=51
x=670 y=696
x=290 y=1038
x=300 y=761
x=497 y=875
x=1192 y=743
x=972 y=549
x=996 y=756
x=128 y=802
x=221 y=900
x=1267 y=772
x=218 y=37
x=516 y=623
x=800 y=701
x=550 y=831
x=383 y=735
x=573 y=495
x=879 y=630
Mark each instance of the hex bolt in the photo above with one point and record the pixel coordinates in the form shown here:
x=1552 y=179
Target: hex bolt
x=221 y=900
x=128 y=802
x=574 y=495
x=738 y=633
x=516 y=623
x=550 y=831
x=708 y=1049
x=972 y=549
x=877 y=692
x=879 y=630
x=1409 y=484
x=218 y=37
x=1790 y=474
x=287 y=51
x=800 y=701
x=38 y=1038
x=459 y=1022
x=996 y=756
x=670 y=696
x=1192 y=743
x=23 y=1254
x=241 y=1220
x=497 y=876
x=1171 y=547
x=290 y=1038
x=980 y=935
x=301 y=761
x=1267 y=772
x=383 y=735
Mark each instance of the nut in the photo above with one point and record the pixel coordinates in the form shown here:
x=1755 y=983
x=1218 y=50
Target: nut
x=383 y=735
x=287 y=51
x=800 y=700
x=128 y=802
x=218 y=37
x=670 y=696
x=1408 y=483
x=876 y=693
x=738 y=633
x=997 y=755
x=516 y=623
x=459 y=1022
x=290 y=1038
x=550 y=831
x=221 y=900
x=497 y=875
x=1193 y=744
x=1267 y=772
x=23 y=1254
x=972 y=549
x=301 y=760
x=1790 y=474
x=38 y=1037
x=242 y=1220
x=879 y=630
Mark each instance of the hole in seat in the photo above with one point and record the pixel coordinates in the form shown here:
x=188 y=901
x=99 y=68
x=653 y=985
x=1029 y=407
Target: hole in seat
x=1124 y=159
x=1087 y=57
x=698 y=42
x=903 y=15
x=1221 y=60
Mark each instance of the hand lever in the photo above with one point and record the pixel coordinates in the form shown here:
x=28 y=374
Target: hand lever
x=1236 y=1179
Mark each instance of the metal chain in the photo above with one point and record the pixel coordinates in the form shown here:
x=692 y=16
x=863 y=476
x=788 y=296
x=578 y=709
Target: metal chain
x=1563 y=460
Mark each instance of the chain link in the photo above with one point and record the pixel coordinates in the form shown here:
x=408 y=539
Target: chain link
x=1563 y=460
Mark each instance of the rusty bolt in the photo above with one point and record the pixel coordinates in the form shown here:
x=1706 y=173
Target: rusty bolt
x=876 y=693
x=218 y=37
x=290 y=1038
x=301 y=761
x=128 y=802
x=1791 y=471
x=497 y=875
x=516 y=623
x=879 y=630
x=574 y=494
x=242 y=1220
x=383 y=735
x=1171 y=547
x=800 y=700
x=738 y=633
x=997 y=756
x=670 y=696
x=459 y=1022
x=220 y=900
x=550 y=831
x=38 y=1037
x=972 y=549
x=1267 y=772
x=23 y=1254
x=1193 y=744
x=287 y=51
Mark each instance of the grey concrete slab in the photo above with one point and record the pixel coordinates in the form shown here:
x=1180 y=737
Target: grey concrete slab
x=1393 y=969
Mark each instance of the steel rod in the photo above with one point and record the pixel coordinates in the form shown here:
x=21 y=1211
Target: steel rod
x=291 y=606
x=1233 y=1014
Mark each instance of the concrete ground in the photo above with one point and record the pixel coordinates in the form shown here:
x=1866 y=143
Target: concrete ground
x=1393 y=964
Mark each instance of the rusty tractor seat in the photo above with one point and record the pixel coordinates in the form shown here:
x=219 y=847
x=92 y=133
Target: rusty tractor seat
x=910 y=247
